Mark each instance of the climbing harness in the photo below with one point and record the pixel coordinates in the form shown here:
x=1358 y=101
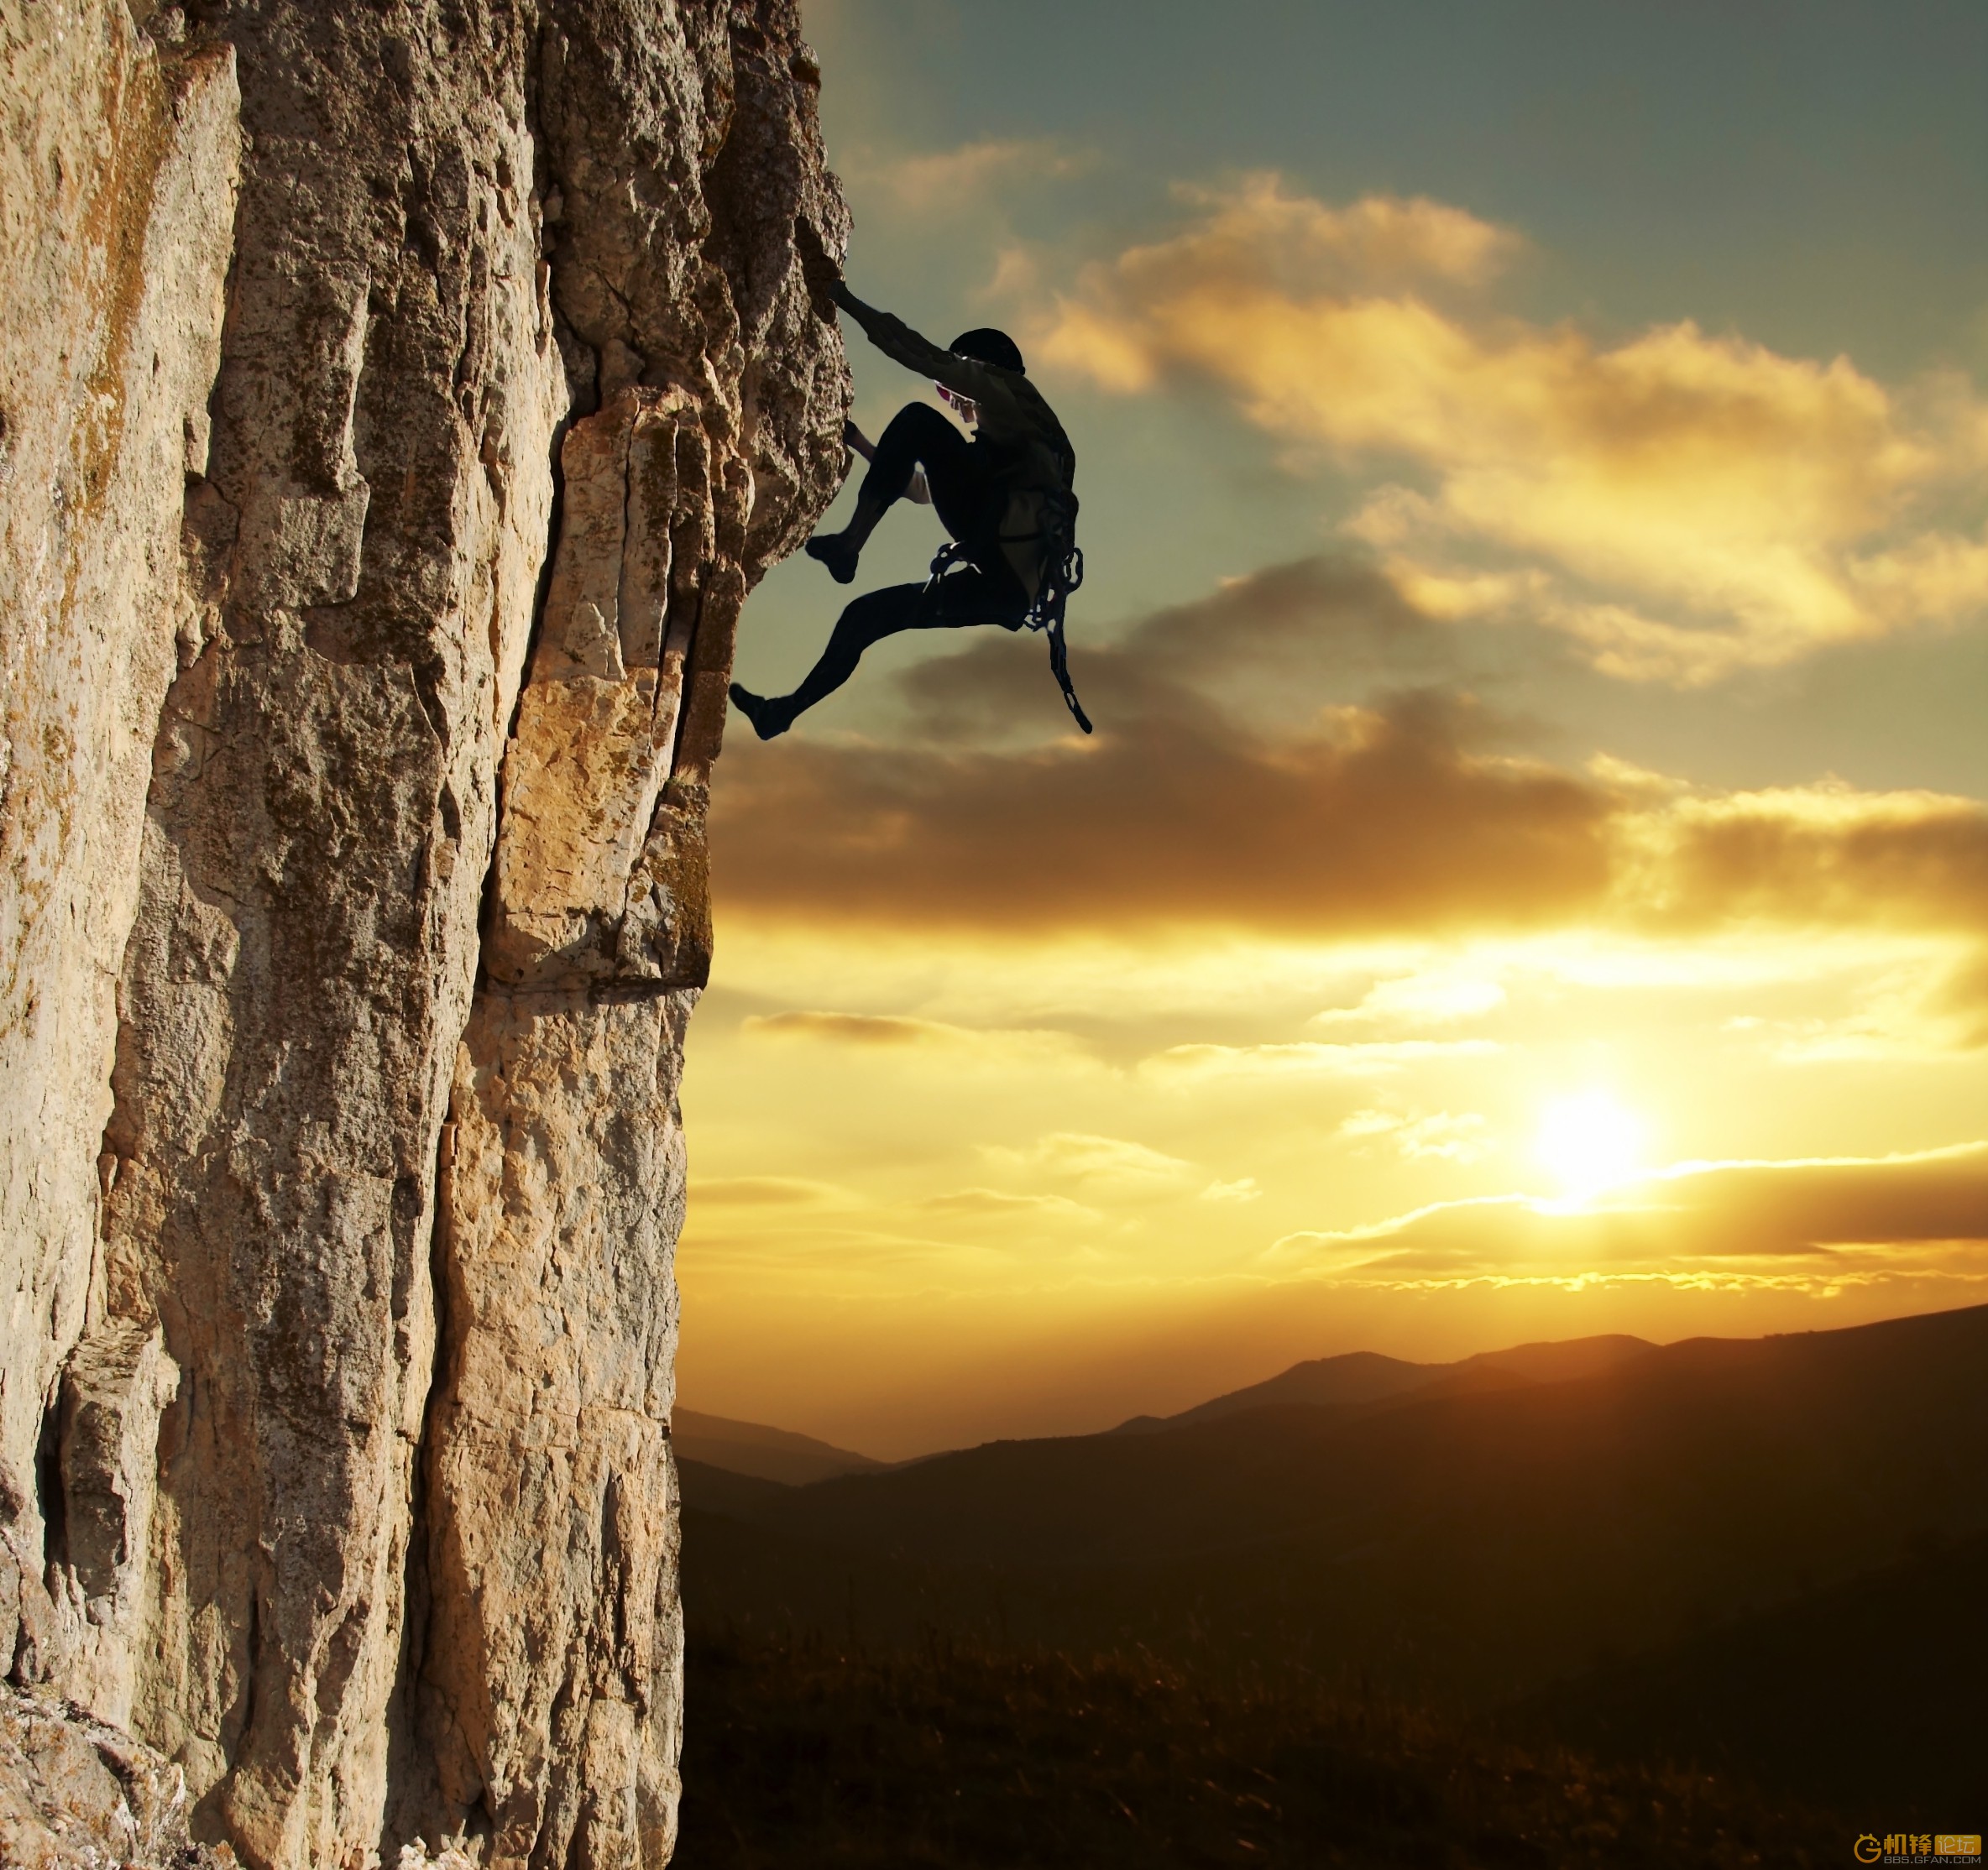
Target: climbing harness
x=1062 y=572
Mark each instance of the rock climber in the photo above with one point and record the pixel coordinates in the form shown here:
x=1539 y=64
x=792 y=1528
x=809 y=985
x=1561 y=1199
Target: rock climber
x=1005 y=498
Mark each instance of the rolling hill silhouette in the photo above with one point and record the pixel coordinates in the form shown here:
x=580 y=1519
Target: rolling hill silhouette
x=1476 y=1537
x=1365 y=1376
x=767 y=1454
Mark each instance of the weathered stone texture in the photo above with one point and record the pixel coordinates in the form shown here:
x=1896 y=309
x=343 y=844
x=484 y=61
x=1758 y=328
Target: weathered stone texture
x=552 y=1683
x=334 y=1432
x=597 y=725
x=117 y=171
x=77 y=1795
x=554 y=1677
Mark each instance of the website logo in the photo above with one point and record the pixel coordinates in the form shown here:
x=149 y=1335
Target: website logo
x=1933 y=1847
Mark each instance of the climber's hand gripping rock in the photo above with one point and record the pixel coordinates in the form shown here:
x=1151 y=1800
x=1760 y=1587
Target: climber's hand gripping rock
x=821 y=275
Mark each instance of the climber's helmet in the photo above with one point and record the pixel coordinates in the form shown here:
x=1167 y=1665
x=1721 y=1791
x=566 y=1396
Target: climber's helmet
x=984 y=345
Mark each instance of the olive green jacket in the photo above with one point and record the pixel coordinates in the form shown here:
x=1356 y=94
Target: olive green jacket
x=1017 y=427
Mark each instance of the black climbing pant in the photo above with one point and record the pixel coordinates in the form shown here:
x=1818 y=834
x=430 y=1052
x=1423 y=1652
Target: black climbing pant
x=959 y=472
x=970 y=502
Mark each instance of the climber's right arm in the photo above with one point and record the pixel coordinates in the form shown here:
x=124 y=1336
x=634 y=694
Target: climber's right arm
x=891 y=335
x=901 y=344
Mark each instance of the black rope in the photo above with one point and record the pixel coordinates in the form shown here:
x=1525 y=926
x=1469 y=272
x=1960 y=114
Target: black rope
x=1046 y=613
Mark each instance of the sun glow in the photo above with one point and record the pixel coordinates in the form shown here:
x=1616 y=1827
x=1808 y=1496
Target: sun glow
x=1589 y=1142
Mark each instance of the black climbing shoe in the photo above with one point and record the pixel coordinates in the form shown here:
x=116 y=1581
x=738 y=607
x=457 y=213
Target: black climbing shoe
x=768 y=717
x=834 y=550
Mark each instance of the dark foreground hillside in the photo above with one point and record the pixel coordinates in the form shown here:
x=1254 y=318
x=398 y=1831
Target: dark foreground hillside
x=1462 y=1549
x=1868 y=1697
x=1763 y=1560
x=813 y=1754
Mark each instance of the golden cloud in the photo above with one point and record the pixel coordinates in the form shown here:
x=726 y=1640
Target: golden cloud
x=1824 y=853
x=1440 y=1137
x=860 y=1029
x=996 y=1204
x=894 y=1032
x=1199 y=1063
x=1104 y=1166
x=1435 y=998
x=1683 y=504
x=1965 y=995
x=1842 y=1212
x=943 y=181
x=765 y=1191
x=1400 y=816
x=1382 y=819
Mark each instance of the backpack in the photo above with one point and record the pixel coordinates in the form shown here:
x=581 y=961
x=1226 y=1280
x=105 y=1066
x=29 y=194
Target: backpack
x=1062 y=572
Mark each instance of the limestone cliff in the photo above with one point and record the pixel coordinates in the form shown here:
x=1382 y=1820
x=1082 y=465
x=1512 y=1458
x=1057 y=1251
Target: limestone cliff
x=398 y=398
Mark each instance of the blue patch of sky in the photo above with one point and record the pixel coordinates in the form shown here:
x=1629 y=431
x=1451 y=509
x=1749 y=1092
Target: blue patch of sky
x=1814 y=173
x=1813 y=176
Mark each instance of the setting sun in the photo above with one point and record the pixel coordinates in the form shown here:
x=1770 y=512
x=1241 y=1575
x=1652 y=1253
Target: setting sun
x=1525 y=882
x=1589 y=1142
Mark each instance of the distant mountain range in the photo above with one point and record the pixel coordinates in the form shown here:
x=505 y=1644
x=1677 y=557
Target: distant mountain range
x=1490 y=1534
x=764 y=1454
x=1363 y=1377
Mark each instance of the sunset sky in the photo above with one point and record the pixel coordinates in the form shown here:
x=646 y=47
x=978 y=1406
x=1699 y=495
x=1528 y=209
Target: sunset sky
x=1531 y=877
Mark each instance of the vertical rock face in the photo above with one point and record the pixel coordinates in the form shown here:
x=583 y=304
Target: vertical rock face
x=78 y=1794
x=419 y=388
x=117 y=176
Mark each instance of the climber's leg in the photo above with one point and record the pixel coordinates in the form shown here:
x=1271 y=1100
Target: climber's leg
x=959 y=601
x=868 y=619
x=916 y=436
